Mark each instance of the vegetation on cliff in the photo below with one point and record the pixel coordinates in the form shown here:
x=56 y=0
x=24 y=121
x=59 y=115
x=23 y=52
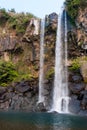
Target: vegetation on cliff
x=15 y=21
x=7 y=73
x=73 y=7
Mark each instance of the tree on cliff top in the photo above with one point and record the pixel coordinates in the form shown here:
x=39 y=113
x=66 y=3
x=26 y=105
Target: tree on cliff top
x=74 y=5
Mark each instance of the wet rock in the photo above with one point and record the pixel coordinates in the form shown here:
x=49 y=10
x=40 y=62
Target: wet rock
x=74 y=105
x=84 y=103
x=83 y=113
x=46 y=92
x=28 y=104
x=84 y=100
x=47 y=86
x=76 y=88
x=40 y=107
x=16 y=103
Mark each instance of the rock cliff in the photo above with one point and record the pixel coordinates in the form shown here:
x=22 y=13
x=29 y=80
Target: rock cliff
x=21 y=46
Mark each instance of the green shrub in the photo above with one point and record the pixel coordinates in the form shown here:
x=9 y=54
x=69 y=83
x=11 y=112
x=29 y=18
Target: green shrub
x=23 y=76
x=75 y=65
x=73 y=6
x=7 y=73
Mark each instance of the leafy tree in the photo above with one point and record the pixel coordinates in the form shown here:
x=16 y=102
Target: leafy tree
x=73 y=6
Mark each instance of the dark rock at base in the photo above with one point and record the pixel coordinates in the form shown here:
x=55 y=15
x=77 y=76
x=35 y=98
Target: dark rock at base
x=83 y=113
x=4 y=106
x=2 y=98
x=8 y=95
x=22 y=87
x=2 y=90
x=76 y=88
x=74 y=105
x=40 y=107
x=2 y=94
x=84 y=100
x=15 y=102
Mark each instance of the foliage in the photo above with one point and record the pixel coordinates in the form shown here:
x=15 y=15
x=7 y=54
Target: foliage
x=49 y=73
x=16 y=21
x=19 y=22
x=7 y=73
x=4 y=13
x=73 y=6
x=24 y=76
x=75 y=64
x=3 y=16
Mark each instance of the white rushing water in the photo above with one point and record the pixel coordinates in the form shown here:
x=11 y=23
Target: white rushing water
x=60 y=94
x=41 y=73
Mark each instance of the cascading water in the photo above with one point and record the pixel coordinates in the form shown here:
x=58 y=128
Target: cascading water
x=66 y=92
x=60 y=95
x=41 y=73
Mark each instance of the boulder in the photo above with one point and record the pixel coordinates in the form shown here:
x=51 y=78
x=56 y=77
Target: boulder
x=15 y=103
x=84 y=100
x=73 y=77
x=40 y=107
x=4 y=106
x=76 y=78
x=74 y=105
x=76 y=88
x=83 y=113
x=22 y=87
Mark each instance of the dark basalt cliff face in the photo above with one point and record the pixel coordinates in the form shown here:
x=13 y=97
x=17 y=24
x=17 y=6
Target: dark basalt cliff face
x=23 y=50
x=77 y=52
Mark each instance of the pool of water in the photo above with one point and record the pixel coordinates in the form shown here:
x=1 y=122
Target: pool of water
x=41 y=121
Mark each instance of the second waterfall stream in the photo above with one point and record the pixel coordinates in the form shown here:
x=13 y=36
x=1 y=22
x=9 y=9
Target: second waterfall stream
x=41 y=73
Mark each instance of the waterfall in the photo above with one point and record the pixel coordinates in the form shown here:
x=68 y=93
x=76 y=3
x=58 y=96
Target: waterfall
x=41 y=73
x=60 y=93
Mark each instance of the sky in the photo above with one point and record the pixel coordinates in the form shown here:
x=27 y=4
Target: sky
x=37 y=7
